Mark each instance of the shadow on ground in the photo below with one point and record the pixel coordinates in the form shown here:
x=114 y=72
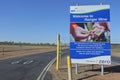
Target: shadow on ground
x=112 y=69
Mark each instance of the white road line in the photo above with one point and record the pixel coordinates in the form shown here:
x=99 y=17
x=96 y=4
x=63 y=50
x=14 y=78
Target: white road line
x=28 y=62
x=15 y=62
x=48 y=68
x=43 y=73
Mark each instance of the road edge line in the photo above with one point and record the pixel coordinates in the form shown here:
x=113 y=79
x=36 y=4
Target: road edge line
x=43 y=73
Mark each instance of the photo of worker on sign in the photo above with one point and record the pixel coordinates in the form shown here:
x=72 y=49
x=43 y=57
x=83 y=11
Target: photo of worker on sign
x=90 y=32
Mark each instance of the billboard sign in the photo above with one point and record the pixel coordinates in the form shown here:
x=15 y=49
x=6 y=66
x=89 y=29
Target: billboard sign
x=90 y=34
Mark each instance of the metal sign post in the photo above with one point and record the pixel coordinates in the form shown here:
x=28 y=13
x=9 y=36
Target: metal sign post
x=76 y=68
x=102 y=69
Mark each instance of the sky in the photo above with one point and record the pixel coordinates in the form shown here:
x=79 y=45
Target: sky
x=39 y=21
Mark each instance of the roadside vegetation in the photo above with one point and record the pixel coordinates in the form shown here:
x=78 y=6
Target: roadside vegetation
x=27 y=44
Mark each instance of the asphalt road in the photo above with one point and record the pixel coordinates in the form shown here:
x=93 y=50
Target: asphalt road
x=115 y=60
x=25 y=68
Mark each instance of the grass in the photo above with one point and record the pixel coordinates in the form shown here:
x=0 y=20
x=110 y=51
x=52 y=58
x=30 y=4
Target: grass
x=9 y=51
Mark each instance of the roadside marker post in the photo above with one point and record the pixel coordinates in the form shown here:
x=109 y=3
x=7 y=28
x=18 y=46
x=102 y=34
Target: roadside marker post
x=69 y=68
x=58 y=52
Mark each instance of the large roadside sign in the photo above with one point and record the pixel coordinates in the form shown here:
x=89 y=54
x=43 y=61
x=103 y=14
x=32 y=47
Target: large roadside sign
x=90 y=34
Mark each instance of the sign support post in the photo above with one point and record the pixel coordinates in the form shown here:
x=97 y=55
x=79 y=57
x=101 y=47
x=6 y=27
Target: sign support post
x=102 y=69
x=76 y=68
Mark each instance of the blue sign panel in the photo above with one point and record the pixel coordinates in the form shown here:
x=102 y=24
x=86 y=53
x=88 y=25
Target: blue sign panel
x=90 y=34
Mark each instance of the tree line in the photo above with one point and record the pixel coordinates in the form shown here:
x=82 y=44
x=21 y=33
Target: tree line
x=28 y=44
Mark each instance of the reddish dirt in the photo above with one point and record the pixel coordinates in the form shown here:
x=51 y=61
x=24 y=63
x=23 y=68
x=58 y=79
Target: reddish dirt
x=16 y=51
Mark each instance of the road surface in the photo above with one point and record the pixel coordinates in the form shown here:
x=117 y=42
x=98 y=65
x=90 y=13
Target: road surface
x=26 y=67
x=115 y=60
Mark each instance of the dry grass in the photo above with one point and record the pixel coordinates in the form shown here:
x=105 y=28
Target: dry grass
x=7 y=51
